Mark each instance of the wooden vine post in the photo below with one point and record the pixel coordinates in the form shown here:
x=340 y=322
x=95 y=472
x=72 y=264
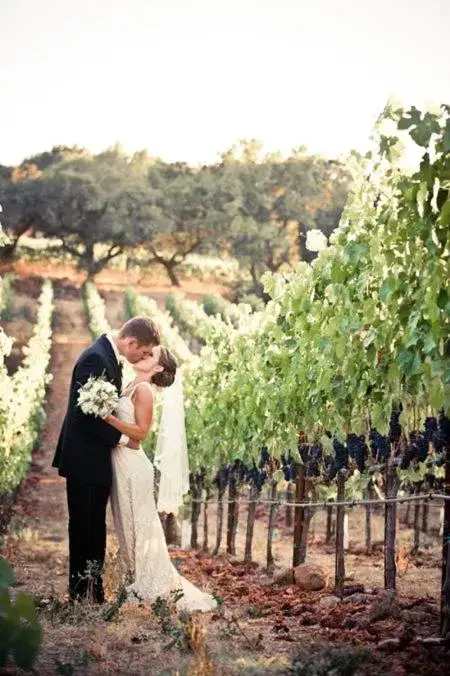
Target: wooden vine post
x=221 y=490
x=329 y=527
x=254 y=495
x=390 y=526
x=196 y=484
x=299 y=514
x=271 y=526
x=205 y=519
x=445 y=595
x=368 y=520
x=340 y=555
x=416 y=544
x=289 y=499
x=233 y=512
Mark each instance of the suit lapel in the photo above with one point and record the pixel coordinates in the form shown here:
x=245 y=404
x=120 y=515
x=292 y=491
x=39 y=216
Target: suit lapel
x=111 y=357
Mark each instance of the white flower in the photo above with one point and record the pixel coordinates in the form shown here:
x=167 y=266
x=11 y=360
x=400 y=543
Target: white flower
x=315 y=240
x=98 y=397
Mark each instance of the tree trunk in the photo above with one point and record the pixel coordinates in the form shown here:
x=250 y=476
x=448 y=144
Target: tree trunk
x=299 y=514
x=340 y=556
x=271 y=527
x=390 y=522
x=86 y=261
x=170 y=268
x=8 y=251
x=330 y=528
x=289 y=498
x=254 y=496
x=219 y=520
x=416 y=544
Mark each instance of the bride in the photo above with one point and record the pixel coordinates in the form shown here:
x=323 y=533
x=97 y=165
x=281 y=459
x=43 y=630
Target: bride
x=138 y=526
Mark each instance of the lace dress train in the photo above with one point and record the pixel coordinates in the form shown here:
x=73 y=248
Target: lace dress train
x=139 y=531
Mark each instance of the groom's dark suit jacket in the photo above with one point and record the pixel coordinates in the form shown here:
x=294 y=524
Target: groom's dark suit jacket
x=85 y=443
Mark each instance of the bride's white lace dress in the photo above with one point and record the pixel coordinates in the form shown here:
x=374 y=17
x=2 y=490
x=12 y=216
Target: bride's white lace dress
x=139 y=531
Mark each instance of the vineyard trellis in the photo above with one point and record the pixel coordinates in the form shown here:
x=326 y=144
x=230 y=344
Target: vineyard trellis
x=346 y=372
x=22 y=396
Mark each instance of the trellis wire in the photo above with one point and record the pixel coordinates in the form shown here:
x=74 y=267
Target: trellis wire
x=329 y=503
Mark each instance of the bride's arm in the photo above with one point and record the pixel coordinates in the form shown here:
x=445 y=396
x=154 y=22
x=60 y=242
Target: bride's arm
x=143 y=413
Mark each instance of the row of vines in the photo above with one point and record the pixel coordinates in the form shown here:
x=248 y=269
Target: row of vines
x=341 y=386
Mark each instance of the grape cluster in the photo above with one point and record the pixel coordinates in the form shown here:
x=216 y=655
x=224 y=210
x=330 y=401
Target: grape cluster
x=416 y=450
x=395 y=430
x=314 y=464
x=222 y=477
x=437 y=431
x=331 y=468
x=379 y=445
x=303 y=451
x=357 y=449
x=408 y=456
x=341 y=454
x=256 y=477
x=288 y=467
x=265 y=457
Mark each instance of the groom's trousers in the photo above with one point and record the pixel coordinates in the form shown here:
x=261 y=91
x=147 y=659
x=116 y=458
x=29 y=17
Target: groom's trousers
x=87 y=538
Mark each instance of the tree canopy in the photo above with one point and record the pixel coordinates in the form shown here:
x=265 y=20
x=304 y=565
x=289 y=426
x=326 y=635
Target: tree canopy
x=256 y=207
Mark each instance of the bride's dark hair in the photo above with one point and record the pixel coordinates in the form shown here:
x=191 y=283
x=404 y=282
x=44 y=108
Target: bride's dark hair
x=166 y=377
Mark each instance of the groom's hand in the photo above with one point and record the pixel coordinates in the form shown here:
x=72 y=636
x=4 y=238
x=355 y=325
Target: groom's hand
x=133 y=444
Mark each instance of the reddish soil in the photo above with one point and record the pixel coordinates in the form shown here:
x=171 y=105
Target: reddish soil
x=155 y=281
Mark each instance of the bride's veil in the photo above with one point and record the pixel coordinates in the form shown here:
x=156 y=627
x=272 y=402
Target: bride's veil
x=171 y=450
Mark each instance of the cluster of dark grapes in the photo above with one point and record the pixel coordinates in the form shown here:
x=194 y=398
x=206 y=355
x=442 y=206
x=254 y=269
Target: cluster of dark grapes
x=265 y=457
x=256 y=477
x=312 y=457
x=395 y=429
x=357 y=449
x=315 y=461
x=416 y=450
x=288 y=467
x=303 y=451
x=340 y=454
x=437 y=431
x=222 y=477
x=331 y=468
x=379 y=445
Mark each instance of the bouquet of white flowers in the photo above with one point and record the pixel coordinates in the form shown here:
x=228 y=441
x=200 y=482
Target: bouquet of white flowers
x=98 y=397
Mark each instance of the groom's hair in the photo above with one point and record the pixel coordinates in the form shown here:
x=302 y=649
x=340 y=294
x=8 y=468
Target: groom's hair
x=168 y=362
x=143 y=329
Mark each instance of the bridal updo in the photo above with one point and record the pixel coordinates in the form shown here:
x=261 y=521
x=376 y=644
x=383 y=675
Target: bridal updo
x=165 y=377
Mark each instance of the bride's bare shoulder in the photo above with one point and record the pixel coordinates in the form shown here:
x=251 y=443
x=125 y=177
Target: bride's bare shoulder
x=144 y=392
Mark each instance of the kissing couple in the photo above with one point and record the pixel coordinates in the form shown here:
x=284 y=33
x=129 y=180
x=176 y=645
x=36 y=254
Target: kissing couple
x=102 y=458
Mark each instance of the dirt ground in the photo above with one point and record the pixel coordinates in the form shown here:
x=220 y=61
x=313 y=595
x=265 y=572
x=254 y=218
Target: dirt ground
x=258 y=627
x=155 y=281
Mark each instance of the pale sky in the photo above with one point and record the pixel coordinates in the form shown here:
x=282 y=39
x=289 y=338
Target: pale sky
x=187 y=78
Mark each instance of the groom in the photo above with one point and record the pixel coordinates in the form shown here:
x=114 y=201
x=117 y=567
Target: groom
x=83 y=453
